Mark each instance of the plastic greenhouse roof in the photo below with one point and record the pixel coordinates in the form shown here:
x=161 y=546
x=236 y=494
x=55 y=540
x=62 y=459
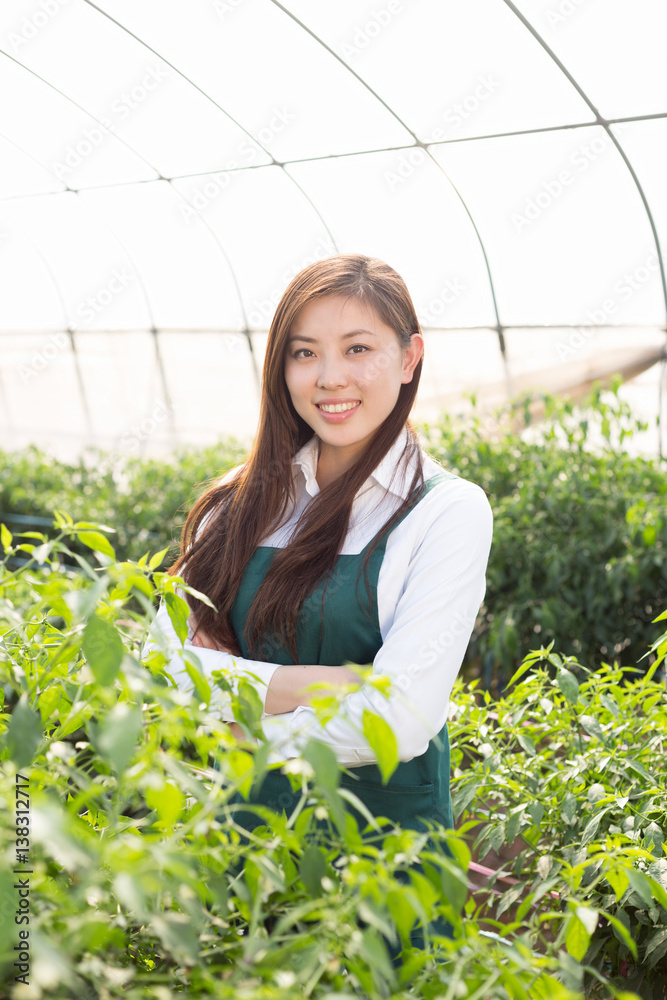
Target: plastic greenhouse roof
x=166 y=168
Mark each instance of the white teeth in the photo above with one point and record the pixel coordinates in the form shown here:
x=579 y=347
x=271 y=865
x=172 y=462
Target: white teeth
x=337 y=408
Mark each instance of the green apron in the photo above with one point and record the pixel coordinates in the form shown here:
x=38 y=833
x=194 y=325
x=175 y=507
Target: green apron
x=348 y=629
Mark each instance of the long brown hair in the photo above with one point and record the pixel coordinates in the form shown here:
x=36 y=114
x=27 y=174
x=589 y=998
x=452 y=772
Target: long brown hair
x=247 y=508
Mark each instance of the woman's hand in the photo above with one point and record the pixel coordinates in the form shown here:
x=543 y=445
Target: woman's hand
x=287 y=686
x=238 y=733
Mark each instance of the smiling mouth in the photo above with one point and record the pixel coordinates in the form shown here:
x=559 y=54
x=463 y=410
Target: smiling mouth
x=337 y=407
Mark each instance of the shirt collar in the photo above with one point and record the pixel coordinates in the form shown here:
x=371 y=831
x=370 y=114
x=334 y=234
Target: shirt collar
x=388 y=473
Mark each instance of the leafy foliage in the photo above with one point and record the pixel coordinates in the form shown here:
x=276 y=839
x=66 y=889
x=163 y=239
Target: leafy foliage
x=563 y=783
x=144 y=499
x=579 y=552
x=145 y=885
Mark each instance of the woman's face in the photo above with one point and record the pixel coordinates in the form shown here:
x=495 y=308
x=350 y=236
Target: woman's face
x=340 y=353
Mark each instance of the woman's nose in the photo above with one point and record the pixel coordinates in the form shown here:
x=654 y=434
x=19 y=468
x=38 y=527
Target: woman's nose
x=332 y=374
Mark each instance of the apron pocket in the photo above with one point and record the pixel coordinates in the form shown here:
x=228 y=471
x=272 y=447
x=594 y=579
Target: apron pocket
x=402 y=804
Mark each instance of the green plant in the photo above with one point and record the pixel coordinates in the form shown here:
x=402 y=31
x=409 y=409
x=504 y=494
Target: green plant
x=143 y=499
x=563 y=785
x=579 y=552
x=141 y=882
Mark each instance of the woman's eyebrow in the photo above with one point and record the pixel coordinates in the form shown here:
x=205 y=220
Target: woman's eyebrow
x=352 y=333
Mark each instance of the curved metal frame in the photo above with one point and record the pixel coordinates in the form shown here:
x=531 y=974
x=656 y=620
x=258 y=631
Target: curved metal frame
x=598 y=120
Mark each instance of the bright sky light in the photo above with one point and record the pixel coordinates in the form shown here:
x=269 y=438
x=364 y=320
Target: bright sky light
x=169 y=165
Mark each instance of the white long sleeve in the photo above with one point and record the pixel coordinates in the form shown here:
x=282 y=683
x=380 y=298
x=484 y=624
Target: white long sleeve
x=426 y=641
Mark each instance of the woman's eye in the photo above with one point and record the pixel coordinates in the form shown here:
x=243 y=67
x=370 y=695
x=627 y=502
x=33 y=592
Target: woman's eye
x=301 y=350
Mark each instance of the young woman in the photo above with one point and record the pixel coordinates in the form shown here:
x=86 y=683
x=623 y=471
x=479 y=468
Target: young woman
x=341 y=541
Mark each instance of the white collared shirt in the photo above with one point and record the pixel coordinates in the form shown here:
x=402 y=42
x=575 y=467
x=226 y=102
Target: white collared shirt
x=430 y=587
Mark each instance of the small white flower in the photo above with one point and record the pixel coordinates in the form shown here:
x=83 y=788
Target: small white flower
x=297 y=765
x=285 y=978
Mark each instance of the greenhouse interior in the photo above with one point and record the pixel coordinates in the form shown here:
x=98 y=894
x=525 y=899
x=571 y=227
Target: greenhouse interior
x=166 y=170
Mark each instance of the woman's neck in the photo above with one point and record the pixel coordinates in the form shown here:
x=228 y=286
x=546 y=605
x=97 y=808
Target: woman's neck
x=333 y=463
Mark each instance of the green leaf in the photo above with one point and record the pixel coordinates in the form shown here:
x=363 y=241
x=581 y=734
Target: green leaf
x=324 y=763
x=544 y=865
x=527 y=744
x=179 y=613
x=374 y=951
x=622 y=933
x=593 y=727
x=513 y=824
x=657 y=939
x=48 y=701
x=654 y=839
x=5 y=536
x=158 y=557
x=609 y=704
x=24 y=733
x=398 y=903
x=117 y=735
x=580 y=925
x=177 y=934
x=649 y=535
x=238 y=765
x=591 y=827
x=569 y=685
x=569 y=808
x=536 y=812
x=618 y=880
x=463 y=798
x=200 y=683
x=382 y=741
x=454 y=885
x=497 y=837
x=198 y=594
x=312 y=870
x=103 y=648
x=98 y=542
x=95 y=527
x=168 y=802
x=522 y=669
x=641 y=886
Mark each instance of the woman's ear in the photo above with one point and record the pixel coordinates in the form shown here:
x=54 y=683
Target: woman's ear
x=412 y=355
